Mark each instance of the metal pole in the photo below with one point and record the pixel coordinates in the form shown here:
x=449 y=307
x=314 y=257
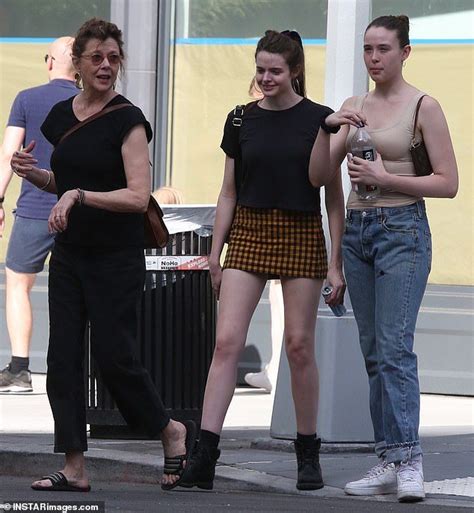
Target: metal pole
x=164 y=68
x=140 y=83
x=345 y=70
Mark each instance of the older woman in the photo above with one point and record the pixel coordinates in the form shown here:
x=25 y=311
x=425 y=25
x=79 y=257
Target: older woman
x=101 y=174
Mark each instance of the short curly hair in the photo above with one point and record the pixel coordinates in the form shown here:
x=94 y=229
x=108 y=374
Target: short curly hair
x=95 y=28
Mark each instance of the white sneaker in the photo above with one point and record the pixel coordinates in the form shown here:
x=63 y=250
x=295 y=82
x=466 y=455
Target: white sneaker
x=379 y=480
x=410 y=480
x=259 y=380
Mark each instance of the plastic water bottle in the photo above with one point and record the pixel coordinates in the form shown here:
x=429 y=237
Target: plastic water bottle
x=338 y=310
x=363 y=147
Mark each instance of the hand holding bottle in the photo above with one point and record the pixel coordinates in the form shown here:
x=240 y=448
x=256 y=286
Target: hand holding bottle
x=363 y=148
x=367 y=172
x=346 y=117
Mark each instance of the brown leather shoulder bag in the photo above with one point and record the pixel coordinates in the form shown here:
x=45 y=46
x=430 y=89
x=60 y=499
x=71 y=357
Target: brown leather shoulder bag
x=419 y=154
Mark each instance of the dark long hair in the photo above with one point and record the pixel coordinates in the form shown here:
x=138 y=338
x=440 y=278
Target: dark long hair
x=288 y=44
x=400 y=24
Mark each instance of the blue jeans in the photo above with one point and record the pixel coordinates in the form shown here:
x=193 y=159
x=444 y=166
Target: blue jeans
x=387 y=260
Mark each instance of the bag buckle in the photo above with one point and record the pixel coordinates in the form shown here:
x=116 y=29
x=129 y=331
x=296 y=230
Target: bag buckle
x=238 y=113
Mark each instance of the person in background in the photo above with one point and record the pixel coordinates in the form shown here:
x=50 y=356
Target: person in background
x=101 y=174
x=168 y=196
x=387 y=245
x=274 y=230
x=30 y=241
x=267 y=377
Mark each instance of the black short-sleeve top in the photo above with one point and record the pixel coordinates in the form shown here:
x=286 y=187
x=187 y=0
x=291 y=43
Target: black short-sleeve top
x=91 y=159
x=275 y=148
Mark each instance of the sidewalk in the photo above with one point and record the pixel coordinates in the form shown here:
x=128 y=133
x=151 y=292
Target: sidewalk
x=250 y=459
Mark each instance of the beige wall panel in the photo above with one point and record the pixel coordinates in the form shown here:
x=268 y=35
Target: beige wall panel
x=445 y=72
x=21 y=66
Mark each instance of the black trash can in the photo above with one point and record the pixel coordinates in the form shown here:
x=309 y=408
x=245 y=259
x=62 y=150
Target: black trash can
x=176 y=336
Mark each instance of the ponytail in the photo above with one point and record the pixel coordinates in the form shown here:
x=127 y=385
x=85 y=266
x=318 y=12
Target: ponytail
x=288 y=44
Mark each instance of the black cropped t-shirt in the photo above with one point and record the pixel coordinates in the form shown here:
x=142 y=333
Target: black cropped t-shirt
x=275 y=150
x=91 y=159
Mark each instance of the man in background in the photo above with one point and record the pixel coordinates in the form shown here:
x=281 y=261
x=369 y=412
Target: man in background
x=30 y=241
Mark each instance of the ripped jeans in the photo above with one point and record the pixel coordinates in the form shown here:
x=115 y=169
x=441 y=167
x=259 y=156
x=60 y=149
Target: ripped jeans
x=387 y=260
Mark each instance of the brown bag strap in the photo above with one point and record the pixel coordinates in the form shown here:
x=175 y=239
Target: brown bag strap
x=418 y=105
x=95 y=116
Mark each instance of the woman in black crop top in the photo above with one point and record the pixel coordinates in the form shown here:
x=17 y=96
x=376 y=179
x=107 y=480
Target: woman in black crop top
x=102 y=177
x=271 y=218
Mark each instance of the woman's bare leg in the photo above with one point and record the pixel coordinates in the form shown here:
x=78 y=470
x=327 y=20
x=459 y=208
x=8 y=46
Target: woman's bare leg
x=301 y=298
x=239 y=296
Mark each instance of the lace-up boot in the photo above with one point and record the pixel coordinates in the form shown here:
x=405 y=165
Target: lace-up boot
x=309 y=470
x=202 y=468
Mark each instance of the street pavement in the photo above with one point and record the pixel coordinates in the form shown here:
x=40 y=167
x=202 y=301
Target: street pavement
x=251 y=464
x=147 y=498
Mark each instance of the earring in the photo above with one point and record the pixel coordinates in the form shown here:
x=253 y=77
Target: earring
x=403 y=63
x=78 y=80
x=296 y=85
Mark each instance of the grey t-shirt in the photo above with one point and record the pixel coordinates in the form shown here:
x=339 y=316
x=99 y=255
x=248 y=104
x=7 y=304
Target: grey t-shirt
x=28 y=111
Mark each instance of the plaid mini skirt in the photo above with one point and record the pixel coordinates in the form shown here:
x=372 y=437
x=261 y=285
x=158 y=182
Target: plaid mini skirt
x=277 y=243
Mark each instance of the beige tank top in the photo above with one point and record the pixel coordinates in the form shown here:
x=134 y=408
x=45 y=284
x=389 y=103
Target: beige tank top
x=393 y=144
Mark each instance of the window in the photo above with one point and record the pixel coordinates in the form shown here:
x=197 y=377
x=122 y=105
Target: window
x=48 y=18
x=212 y=68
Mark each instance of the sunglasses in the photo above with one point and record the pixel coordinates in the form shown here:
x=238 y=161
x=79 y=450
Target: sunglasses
x=47 y=56
x=98 y=58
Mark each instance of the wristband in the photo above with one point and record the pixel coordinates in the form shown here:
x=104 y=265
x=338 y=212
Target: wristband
x=329 y=129
x=81 y=197
x=48 y=181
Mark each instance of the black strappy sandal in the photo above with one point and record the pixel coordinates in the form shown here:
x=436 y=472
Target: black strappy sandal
x=59 y=483
x=174 y=465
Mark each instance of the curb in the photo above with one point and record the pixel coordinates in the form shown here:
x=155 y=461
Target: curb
x=117 y=466
x=126 y=467
x=272 y=444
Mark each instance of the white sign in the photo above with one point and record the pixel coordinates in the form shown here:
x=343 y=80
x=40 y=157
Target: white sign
x=177 y=263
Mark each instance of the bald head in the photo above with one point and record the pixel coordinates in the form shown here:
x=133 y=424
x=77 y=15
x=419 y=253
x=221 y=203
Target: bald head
x=60 y=61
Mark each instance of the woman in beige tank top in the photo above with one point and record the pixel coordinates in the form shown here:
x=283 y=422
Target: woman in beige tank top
x=387 y=245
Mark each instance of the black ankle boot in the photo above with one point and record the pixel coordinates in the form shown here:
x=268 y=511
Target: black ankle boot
x=202 y=468
x=309 y=470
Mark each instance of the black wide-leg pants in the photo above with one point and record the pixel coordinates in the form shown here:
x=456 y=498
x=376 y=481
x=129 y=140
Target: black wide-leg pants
x=105 y=287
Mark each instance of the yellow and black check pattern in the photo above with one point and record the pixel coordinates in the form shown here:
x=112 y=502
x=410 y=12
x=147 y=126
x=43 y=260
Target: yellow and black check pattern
x=277 y=243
